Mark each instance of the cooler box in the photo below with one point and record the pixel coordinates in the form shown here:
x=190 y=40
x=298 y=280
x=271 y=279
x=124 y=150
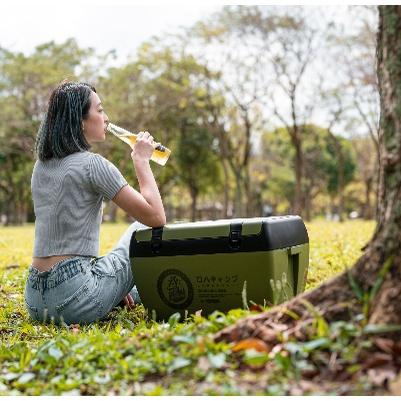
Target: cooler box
x=204 y=265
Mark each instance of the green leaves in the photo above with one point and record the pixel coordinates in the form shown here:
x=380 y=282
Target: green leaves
x=356 y=288
x=381 y=328
x=25 y=378
x=55 y=353
x=178 y=363
x=255 y=358
x=174 y=319
x=217 y=360
x=188 y=339
x=380 y=278
x=322 y=342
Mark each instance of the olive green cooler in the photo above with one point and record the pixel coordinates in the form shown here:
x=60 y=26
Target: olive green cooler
x=204 y=265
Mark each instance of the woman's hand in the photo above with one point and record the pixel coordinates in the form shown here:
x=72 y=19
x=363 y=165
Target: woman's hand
x=143 y=147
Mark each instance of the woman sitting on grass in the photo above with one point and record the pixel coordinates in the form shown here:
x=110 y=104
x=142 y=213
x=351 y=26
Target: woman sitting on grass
x=68 y=282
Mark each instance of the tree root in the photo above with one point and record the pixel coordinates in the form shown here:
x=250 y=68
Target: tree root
x=333 y=300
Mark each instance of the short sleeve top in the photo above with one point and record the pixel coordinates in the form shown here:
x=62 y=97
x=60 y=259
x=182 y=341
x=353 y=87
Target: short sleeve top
x=68 y=194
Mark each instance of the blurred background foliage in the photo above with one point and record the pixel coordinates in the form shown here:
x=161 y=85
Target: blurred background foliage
x=267 y=110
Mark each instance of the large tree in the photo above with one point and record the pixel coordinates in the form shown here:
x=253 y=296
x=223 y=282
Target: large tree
x=227 y=43
x=323 y=152
x=373 y=284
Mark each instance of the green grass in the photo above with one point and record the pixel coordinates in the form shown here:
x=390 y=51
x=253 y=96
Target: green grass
x=128 y=353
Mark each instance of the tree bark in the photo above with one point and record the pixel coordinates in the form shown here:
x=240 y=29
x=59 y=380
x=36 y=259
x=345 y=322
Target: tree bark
x=307 y=203
x=238 y=203
x=194 y=201
x=388 y=234
x=340 y=172
x=298 y=204
x=341 y=186
x=226 y=188
x=367 y=212
x=334 y=299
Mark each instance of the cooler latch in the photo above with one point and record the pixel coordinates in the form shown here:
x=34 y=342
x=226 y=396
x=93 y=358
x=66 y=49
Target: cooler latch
x=234 y=239
x=156 y=240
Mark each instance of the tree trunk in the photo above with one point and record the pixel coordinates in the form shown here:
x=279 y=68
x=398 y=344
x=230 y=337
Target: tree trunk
x=341 y=175
x=388 y=234
x=307 y=204
x=225 y=153
x=226 y=188
x=298 y=203
x=334 y=299
x=238 y=204
x=367 y=213
x=245 y=163
x=249 y=200
x=194 y=201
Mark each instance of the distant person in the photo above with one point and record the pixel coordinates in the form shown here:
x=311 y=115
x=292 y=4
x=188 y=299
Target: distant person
x=68 y=282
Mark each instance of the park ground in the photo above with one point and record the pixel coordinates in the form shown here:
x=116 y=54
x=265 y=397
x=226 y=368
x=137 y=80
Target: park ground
x=130 y=354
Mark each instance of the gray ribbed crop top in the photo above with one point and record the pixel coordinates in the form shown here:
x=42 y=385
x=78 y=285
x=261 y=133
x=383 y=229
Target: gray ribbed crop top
x=67 y=195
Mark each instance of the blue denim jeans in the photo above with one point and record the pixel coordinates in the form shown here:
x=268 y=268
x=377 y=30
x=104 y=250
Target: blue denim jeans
x=82 y=289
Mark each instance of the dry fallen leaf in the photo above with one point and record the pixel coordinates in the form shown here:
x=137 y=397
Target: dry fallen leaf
x=309 y=373
x=251 y=343
x=204 y=363
x=200 y=343
x=302 y=387
x=381 y=375
x=376 y=359
x=397 y=348
x=277 y=349
x=266 y=334
x=279 y=326
x=384 y=344
x=296 y=331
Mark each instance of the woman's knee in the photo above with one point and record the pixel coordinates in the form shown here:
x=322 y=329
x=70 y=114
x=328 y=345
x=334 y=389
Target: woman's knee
x=136 y=226
x=133 y=228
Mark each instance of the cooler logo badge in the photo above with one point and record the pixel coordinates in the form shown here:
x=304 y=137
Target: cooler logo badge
x=175 y=289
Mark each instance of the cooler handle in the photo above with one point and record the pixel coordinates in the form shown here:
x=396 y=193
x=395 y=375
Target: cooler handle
x=156 y=240
x=234 y=238
x=293 y=264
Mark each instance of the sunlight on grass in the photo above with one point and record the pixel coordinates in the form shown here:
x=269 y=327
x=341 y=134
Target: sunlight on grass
x=335 y=246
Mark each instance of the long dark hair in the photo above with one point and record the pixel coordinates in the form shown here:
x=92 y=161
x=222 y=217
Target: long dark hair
x=61 y=133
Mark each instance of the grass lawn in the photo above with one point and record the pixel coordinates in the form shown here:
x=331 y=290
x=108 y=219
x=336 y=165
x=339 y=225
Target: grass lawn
x=130 y=354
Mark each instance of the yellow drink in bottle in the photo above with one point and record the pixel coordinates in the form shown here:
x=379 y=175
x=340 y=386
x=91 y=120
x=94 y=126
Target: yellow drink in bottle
x=160 y=155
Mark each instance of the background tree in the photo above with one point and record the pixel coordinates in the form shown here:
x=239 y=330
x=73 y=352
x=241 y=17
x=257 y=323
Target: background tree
x=367 y=171
x=25 y=85
x=322 y=156
x=264 y=78
x=228 y=46
x=355 y=64
x=296 y=46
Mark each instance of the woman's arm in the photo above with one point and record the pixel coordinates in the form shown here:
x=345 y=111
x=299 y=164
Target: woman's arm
x=145 y=206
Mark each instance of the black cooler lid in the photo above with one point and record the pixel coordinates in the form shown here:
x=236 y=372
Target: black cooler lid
x=220 y=236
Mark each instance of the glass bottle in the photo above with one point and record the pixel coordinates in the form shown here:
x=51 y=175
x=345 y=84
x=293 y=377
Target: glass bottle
x=160 y=155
